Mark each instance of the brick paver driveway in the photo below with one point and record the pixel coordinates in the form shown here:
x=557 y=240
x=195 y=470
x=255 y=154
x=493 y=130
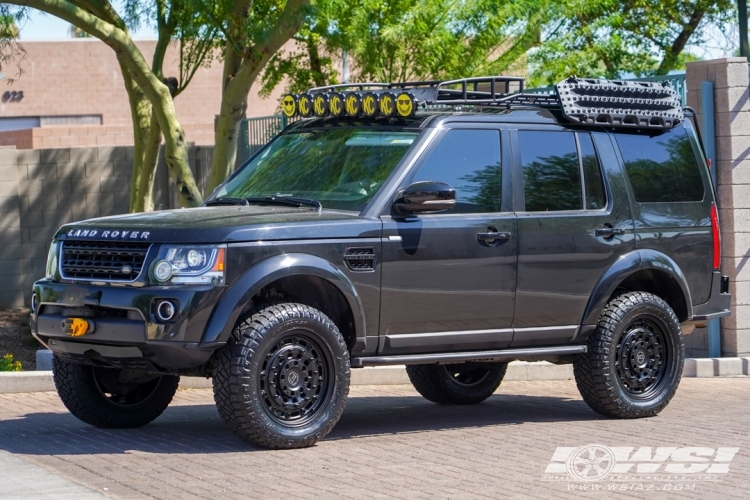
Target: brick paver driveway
x=389 y=443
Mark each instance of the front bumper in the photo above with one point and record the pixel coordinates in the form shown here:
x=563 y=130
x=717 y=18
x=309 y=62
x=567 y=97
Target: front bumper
x=127 y=333
x=718 y=303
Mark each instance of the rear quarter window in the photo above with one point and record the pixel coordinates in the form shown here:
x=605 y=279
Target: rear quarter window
x=662 y=167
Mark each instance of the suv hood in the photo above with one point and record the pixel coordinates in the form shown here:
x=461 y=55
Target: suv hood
x=223 y=224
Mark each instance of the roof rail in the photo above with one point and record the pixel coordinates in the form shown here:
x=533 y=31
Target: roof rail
x=609 y=103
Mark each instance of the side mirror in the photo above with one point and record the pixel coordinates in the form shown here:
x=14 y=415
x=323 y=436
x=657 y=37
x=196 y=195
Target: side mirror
x=425 y=197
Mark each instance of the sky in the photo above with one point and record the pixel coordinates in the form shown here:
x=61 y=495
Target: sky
x=41 y=26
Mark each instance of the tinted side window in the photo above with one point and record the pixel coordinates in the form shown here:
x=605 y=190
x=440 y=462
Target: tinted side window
x=592 y=173
x=551 y=174
x=661 y=167
x=468 y=160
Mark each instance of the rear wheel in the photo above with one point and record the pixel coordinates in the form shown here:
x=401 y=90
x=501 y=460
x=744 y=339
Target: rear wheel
x=112 y=398
x=635 y=358
x=457 y=384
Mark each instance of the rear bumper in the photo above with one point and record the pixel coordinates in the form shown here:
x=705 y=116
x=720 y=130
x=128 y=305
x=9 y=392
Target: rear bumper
x=719 y=302
x=126 y=333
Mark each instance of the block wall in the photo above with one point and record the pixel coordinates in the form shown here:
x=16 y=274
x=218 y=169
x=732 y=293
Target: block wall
x=40 y=190
x=732 y=164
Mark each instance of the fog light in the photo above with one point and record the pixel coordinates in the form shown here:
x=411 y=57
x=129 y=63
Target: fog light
x=33 y=302
x=165 y=310
x=163 y=270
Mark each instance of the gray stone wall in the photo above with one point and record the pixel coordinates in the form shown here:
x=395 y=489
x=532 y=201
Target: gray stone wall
x=42 y=189
x=732 y=163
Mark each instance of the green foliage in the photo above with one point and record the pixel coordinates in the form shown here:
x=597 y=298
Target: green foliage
x=609 y=38
x=8 y=364
x=407 y=40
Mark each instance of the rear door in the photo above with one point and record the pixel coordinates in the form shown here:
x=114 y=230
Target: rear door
x=574 y=222
x=446 y=284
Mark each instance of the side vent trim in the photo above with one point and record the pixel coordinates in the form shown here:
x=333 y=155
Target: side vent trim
x=360 y=259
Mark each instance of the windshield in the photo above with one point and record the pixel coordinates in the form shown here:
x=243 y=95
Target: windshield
x=340 y=168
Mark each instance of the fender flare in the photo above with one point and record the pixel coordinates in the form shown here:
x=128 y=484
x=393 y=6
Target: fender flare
x=239 y=295
x=626 y=265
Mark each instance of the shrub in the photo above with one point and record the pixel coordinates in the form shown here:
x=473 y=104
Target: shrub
x=8 y=364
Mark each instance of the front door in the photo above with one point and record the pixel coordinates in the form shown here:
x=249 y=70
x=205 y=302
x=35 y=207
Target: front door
x=574 y=222
x=448 y=279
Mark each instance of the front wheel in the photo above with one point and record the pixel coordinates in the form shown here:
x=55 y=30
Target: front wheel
x=112 y=398
x=284 y=382
x=634 y=360
x=457 y=384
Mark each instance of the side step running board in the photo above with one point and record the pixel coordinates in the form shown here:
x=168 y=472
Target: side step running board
x=457 y=357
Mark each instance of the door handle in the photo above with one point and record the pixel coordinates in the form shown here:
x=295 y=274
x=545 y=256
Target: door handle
x=493 y=236
x=609 y=232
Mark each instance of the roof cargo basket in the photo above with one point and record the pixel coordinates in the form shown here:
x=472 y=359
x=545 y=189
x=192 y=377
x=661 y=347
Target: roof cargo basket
x=608 y=103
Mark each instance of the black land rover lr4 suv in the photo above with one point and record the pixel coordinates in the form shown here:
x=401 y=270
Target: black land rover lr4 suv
x=450 y=227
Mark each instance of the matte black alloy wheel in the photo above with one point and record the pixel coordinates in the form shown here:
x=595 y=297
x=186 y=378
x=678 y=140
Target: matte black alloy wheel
x=295 y=380
x=283 y=379
x=106 y=380
x=457 y=384
x=468 y=374
x=642 y=351
x=112 y=398
x=635 y=357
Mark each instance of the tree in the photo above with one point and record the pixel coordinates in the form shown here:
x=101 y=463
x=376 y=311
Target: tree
x=252 y=33
x=612 y=37
x=407 y=40
x=148 y=93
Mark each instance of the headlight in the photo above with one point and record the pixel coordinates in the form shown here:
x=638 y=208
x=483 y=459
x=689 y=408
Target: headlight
x=189 y=264
x=52 y=261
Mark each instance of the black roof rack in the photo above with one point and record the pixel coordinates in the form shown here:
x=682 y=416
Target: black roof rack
x=609 y=103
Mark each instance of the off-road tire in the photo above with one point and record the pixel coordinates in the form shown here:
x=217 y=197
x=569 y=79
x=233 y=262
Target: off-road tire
x=248 y=403
x=603 y=374
x=81 y=393
x=439 y=383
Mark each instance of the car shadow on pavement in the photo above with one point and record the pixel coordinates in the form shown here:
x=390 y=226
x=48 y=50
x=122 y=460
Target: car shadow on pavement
x=198 y=428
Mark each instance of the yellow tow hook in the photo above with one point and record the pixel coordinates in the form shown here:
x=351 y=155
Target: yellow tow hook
x=77 y=327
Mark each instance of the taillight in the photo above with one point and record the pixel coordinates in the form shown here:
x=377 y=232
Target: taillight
x=716 y=235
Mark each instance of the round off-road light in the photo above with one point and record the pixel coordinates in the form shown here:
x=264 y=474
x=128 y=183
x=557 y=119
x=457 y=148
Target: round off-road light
x=163 y=270
x=336 y=104
x=320 y=105
x=405 y=104
x=165 y=310
x=387 y=104
x=370 y=104
x=353 y=104
x=304 y=105
x=289 y=105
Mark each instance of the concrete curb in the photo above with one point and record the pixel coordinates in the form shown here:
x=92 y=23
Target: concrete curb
x=41 y=381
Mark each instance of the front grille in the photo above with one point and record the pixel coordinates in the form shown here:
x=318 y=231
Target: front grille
x=102 y=260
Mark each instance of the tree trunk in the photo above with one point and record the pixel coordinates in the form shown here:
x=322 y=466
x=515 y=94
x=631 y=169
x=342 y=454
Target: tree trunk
x=140 y=112
x=145 y=201
x=225 y=143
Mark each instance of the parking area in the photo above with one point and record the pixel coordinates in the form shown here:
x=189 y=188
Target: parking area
x=392 y=443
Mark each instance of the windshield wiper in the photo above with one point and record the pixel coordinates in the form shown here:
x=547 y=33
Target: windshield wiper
x=227 y=201
x=288 y=201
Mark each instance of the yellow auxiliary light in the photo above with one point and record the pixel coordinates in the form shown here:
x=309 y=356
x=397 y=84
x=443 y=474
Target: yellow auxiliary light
x=353 y=104
x=336 y=104
x=370 y=104
x=305 y=105
x=289 y=105
x=405 y=104
x=387 y=104
x=320 y=104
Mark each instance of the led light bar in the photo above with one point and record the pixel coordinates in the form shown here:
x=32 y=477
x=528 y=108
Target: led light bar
x=609 y=103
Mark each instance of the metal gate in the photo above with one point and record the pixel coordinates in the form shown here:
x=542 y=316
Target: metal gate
x=256 y=132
